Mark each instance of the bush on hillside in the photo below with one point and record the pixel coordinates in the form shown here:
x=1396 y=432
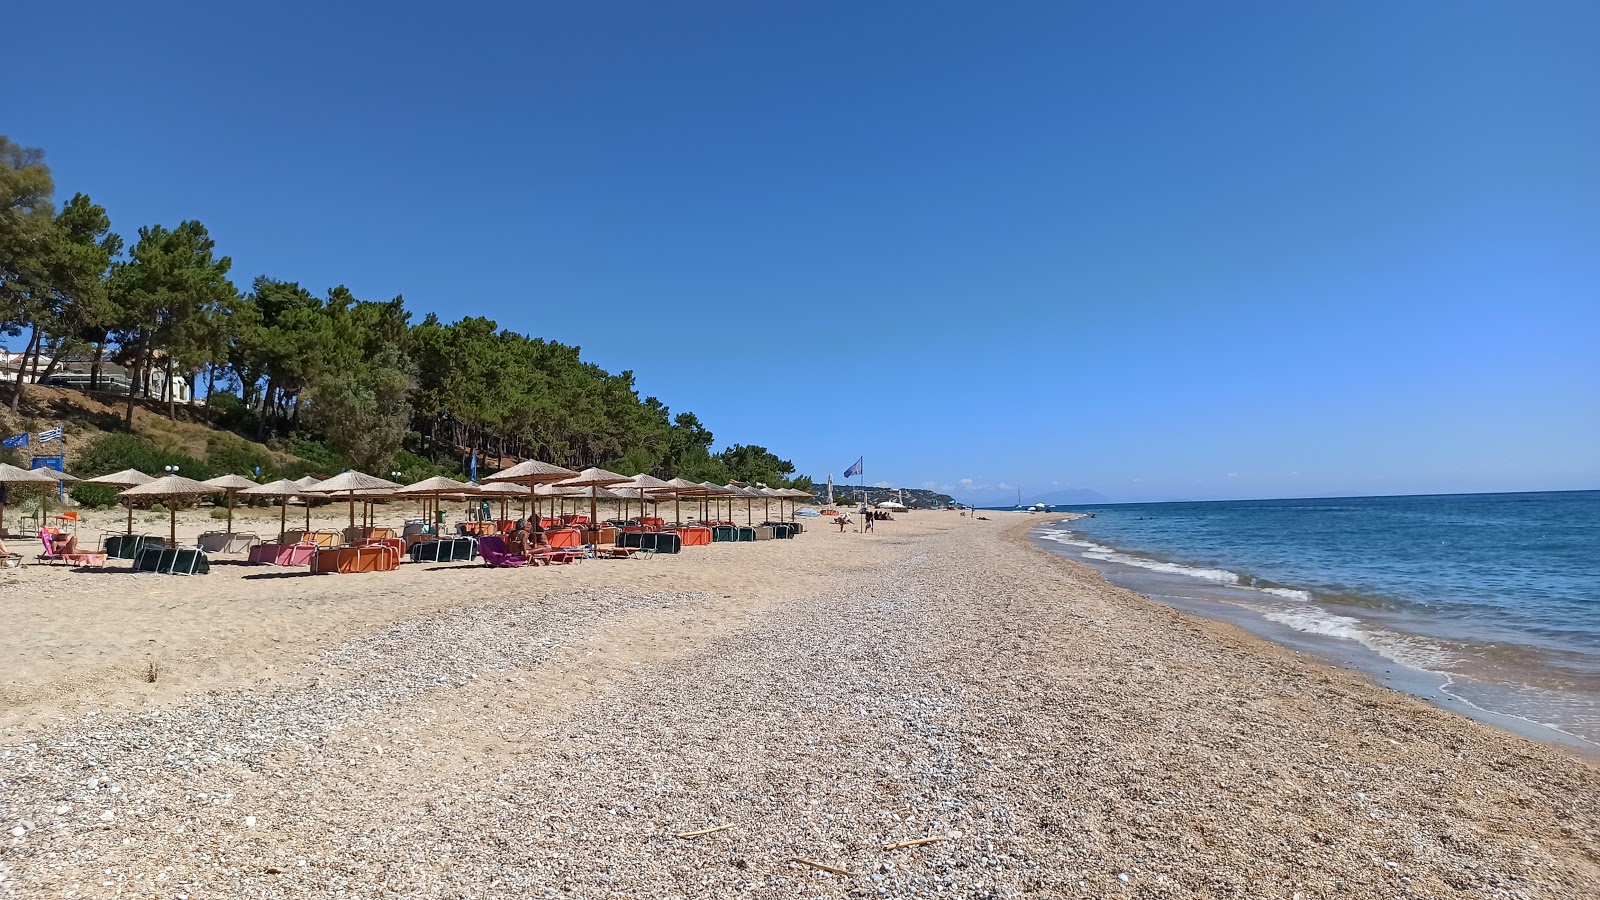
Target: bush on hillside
x=231 y=454
x=228 y=411
x=114 y=451
x=94 y=496
x=315 y=458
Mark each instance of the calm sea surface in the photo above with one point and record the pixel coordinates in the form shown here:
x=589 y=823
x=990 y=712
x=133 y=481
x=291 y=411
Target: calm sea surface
x=1497 y=593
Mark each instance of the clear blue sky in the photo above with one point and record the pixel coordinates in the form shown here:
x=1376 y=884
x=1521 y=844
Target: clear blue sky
x=1157 y=250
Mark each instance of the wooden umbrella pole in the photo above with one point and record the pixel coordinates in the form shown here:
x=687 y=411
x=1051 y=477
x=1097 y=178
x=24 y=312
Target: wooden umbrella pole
x=130 y=515
x=230 y=512
x=283 y=517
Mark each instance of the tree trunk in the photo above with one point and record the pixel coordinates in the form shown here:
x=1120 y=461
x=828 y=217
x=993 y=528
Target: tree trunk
x=171 y=390
x=33 y=342
x=50 y=367
x=266 y=403
x=133 y=380
x=94 y=365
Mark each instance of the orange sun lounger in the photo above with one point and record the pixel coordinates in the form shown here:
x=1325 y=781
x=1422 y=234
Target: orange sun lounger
x=353 y=560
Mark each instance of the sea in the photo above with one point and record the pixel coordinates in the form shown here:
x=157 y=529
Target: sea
x=1484 y=603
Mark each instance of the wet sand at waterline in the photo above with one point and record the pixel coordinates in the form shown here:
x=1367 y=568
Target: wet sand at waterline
x=453 y=730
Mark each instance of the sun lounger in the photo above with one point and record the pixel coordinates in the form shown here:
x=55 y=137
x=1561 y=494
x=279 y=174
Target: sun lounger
x=283 y=554
x=352 y=560
x=556 y=556
x=694 y=535
x=128 y=546
x=493 y=550
x=61 y=547
x=183 y=561
x=447 y=549
x=227 y=541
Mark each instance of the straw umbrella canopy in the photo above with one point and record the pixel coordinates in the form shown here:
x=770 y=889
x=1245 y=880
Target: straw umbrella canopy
x=644 y=484
x=230 y=485
x=793 y=494
x=712 y=489
x=624 y=493
x=10 y=475
x=171 y=488
x=504 y=490
x=678 y=488
x=348 y=483
x=281 y=490
x=127 y=478
x=437 y=487
x=594 y=479
x=749 y=494
x=532 y=473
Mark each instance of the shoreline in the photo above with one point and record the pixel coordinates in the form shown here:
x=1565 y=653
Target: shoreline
x=1379 y=671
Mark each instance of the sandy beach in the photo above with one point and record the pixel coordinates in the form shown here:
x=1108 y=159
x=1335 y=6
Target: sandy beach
x=451 y=730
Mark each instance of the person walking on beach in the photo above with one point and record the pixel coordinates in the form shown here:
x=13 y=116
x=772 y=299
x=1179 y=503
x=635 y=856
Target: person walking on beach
x=866 y=520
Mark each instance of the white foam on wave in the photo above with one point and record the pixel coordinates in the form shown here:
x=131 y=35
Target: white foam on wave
x=1101 y=552
x=1406 y=650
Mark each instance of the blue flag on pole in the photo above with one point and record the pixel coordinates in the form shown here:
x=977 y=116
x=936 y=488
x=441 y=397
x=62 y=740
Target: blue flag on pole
x=53 y=434
x=12 y=443
x=854 y=470
x=474 y=478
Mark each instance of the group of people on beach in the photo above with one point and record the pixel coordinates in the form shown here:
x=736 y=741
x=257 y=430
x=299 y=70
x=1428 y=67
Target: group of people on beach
x=868 y=516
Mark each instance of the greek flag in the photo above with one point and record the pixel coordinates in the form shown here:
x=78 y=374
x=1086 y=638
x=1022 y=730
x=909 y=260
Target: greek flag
x=53 y=434
x=12 y=443
x=854 y=470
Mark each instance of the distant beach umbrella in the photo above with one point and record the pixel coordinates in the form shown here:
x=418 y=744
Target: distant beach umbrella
x=504 y=490
x=349 y=483
x=11 y=475
x=531 y=472
x=281 y=490
x=594 y=479
x=677 y=489
x=230 y=485
x=170 y=490
x=439 y=488
x=127 y=478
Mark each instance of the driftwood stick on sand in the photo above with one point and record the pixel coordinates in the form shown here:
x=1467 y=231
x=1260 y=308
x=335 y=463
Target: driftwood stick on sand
x=714 y=830
x=816 y=865
x=912 y=843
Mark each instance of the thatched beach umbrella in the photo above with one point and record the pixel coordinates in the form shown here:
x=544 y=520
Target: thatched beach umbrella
x=170 y=489
x=230 y=484
x=531 y=473
x=282 y=490
x=127 y=478
x=644 y=484
x=437 y=487
x=11 y=475
x=594 y=479
x=749 y=495
x=677 y=489
x=351 y=482
x=505 y=490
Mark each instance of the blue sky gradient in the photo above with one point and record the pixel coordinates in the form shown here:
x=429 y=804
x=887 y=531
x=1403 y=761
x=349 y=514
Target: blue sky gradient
x=1156 y=250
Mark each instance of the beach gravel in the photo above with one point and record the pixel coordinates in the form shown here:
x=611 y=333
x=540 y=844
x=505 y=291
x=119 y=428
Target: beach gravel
x=1036 y=732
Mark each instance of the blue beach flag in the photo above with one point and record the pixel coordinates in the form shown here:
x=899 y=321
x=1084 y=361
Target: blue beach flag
x=15 y=441
x=854 y=470
x=474 y=478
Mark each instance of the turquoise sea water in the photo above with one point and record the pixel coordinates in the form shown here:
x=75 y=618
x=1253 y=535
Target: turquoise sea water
x=1498 y=593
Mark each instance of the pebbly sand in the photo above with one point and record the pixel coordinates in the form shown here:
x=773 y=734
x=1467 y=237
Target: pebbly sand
x=464 y=732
